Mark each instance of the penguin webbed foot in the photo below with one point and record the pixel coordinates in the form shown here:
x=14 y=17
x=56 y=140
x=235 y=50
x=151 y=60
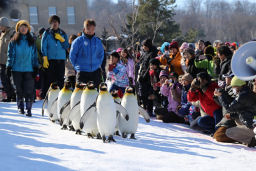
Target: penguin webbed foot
x=124 y=135
x=71 y=128
x=64 y=127
x=89 y=135
x=132 y=137
x=111 y=138
x=117 y=133
x=99 y=136
x=78 y=132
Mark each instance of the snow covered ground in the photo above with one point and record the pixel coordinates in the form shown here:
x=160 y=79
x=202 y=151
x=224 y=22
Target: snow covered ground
x=35 y=144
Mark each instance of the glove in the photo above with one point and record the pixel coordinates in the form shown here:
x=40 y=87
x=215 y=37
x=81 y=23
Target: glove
x=59 y=37
x=111 y=67
x=8 y=71
x=45 y=62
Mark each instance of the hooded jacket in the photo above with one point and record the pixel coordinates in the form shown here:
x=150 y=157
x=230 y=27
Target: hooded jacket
x=86 y=54
x=4 y=42
x=21 y=56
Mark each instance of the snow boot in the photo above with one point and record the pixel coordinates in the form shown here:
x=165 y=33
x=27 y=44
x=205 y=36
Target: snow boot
x=29 y=107
x=20 y=104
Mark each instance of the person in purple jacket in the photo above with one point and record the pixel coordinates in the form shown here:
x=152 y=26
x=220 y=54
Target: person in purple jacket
x=128 y=61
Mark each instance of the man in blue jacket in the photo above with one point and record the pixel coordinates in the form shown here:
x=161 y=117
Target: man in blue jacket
x=87 y=54
x=53 y=46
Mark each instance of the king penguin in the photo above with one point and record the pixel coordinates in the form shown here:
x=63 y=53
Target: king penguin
x=88 y=113
x=65 y=110
x=130 y=103
x=50 y=100
x=64 y=97
x=106 y=114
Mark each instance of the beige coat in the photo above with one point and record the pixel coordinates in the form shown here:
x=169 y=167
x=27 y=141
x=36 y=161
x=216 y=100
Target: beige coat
x=4 y=42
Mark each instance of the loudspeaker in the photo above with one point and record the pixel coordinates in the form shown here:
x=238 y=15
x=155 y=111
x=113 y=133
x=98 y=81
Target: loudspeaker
x=243 y=63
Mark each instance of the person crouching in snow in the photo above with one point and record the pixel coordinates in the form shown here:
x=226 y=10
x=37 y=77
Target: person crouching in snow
x=242 y=110
x=171 y=89
x=23 y=62
x=117 y=74
x=202 y=89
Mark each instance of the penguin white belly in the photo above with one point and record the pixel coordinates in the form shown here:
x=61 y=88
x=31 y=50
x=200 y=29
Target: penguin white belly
x=87 y=99
x=63 y=98
x=65 y=115
x=53 y=110
x=52 y=96
x=106 y=115
x=130 y=126
x=75 y=117
x=75 y=98
x=90 y=124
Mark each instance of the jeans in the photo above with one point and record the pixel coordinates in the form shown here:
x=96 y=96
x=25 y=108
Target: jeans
x=208 y=123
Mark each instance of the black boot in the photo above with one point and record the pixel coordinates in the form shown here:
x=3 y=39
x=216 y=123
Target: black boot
x=252 y=143
x=29 y=107
x=20 y=104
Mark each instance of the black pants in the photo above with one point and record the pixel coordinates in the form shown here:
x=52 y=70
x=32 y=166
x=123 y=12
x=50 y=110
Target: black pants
x=85 y=77
x=168 y=117
x=24 y=83
x=6 y=82
x=43 y=83
x=55 y=73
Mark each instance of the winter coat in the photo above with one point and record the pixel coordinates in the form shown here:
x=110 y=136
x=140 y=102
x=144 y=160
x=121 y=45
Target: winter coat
x=174 y=63
x=206 y=99
x=208 y=65
x=223 y=68
x=4 y=42
x=243 y=108
x=53 y=48
x=185 y=104
x=86 y=54
x=39 y=53
x=130 y=68
x=21 y=56
x=192 y=69
x=143 y=75
x=69 y=69
x=173 y=93
x=119 y=76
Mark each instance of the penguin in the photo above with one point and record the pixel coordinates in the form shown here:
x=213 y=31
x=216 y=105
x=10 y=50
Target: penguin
x=50 y=100
x=88 y=115
x=106 y=114
x=63 y=97
x=130 y=103
x=65 y=110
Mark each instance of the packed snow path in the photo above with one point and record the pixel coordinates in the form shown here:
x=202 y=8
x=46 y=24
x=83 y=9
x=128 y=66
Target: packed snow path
x=35 y=144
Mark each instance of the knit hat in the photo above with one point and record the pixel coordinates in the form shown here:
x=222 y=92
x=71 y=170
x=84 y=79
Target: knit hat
x=4 y=22
x=187 y=77
x=174 y=44
x=154 y=62
x=184 y=46
x=174 y=74
x=191 y=46
x=209 y=50
x=22 y=22
x=236 y=82
x=119 y=50
x=163 y=46
x=164 y=73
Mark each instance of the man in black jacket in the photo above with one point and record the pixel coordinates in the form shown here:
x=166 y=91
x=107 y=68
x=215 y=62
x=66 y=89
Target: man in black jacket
x=225 y=55
x=242 y=111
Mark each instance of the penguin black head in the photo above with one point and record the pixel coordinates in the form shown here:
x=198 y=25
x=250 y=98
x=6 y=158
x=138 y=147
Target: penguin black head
x=115 y=94
x=80 y=85
x=103 y=87
x=54 y=85
x=90 y=85
x=130 y=90
x=67 y=85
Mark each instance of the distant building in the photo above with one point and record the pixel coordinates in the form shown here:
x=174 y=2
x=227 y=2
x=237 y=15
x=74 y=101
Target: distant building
x=72 y=13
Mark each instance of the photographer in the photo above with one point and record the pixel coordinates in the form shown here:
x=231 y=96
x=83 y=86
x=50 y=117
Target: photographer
x=242 y=110
x=202 y=89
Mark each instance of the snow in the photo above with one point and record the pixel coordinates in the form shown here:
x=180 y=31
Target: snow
x=35 y=144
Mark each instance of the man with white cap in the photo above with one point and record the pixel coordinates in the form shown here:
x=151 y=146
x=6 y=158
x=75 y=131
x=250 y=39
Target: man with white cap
x=5 y=37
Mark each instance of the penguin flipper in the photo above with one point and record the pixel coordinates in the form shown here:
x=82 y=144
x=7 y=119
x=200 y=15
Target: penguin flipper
x=65 y=111
x=45 y=102
x=120 y=109
x=144 y=113
x=54 y=107
x=92 y=108
x=74 y=111
x=64 y=107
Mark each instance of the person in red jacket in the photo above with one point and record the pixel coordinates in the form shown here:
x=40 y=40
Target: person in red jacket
x=202 y=89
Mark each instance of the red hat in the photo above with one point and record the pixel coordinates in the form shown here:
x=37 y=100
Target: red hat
x=174 y=44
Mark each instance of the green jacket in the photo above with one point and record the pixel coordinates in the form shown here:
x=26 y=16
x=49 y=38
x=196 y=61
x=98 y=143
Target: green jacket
x=208 y=65
x=39 y=54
